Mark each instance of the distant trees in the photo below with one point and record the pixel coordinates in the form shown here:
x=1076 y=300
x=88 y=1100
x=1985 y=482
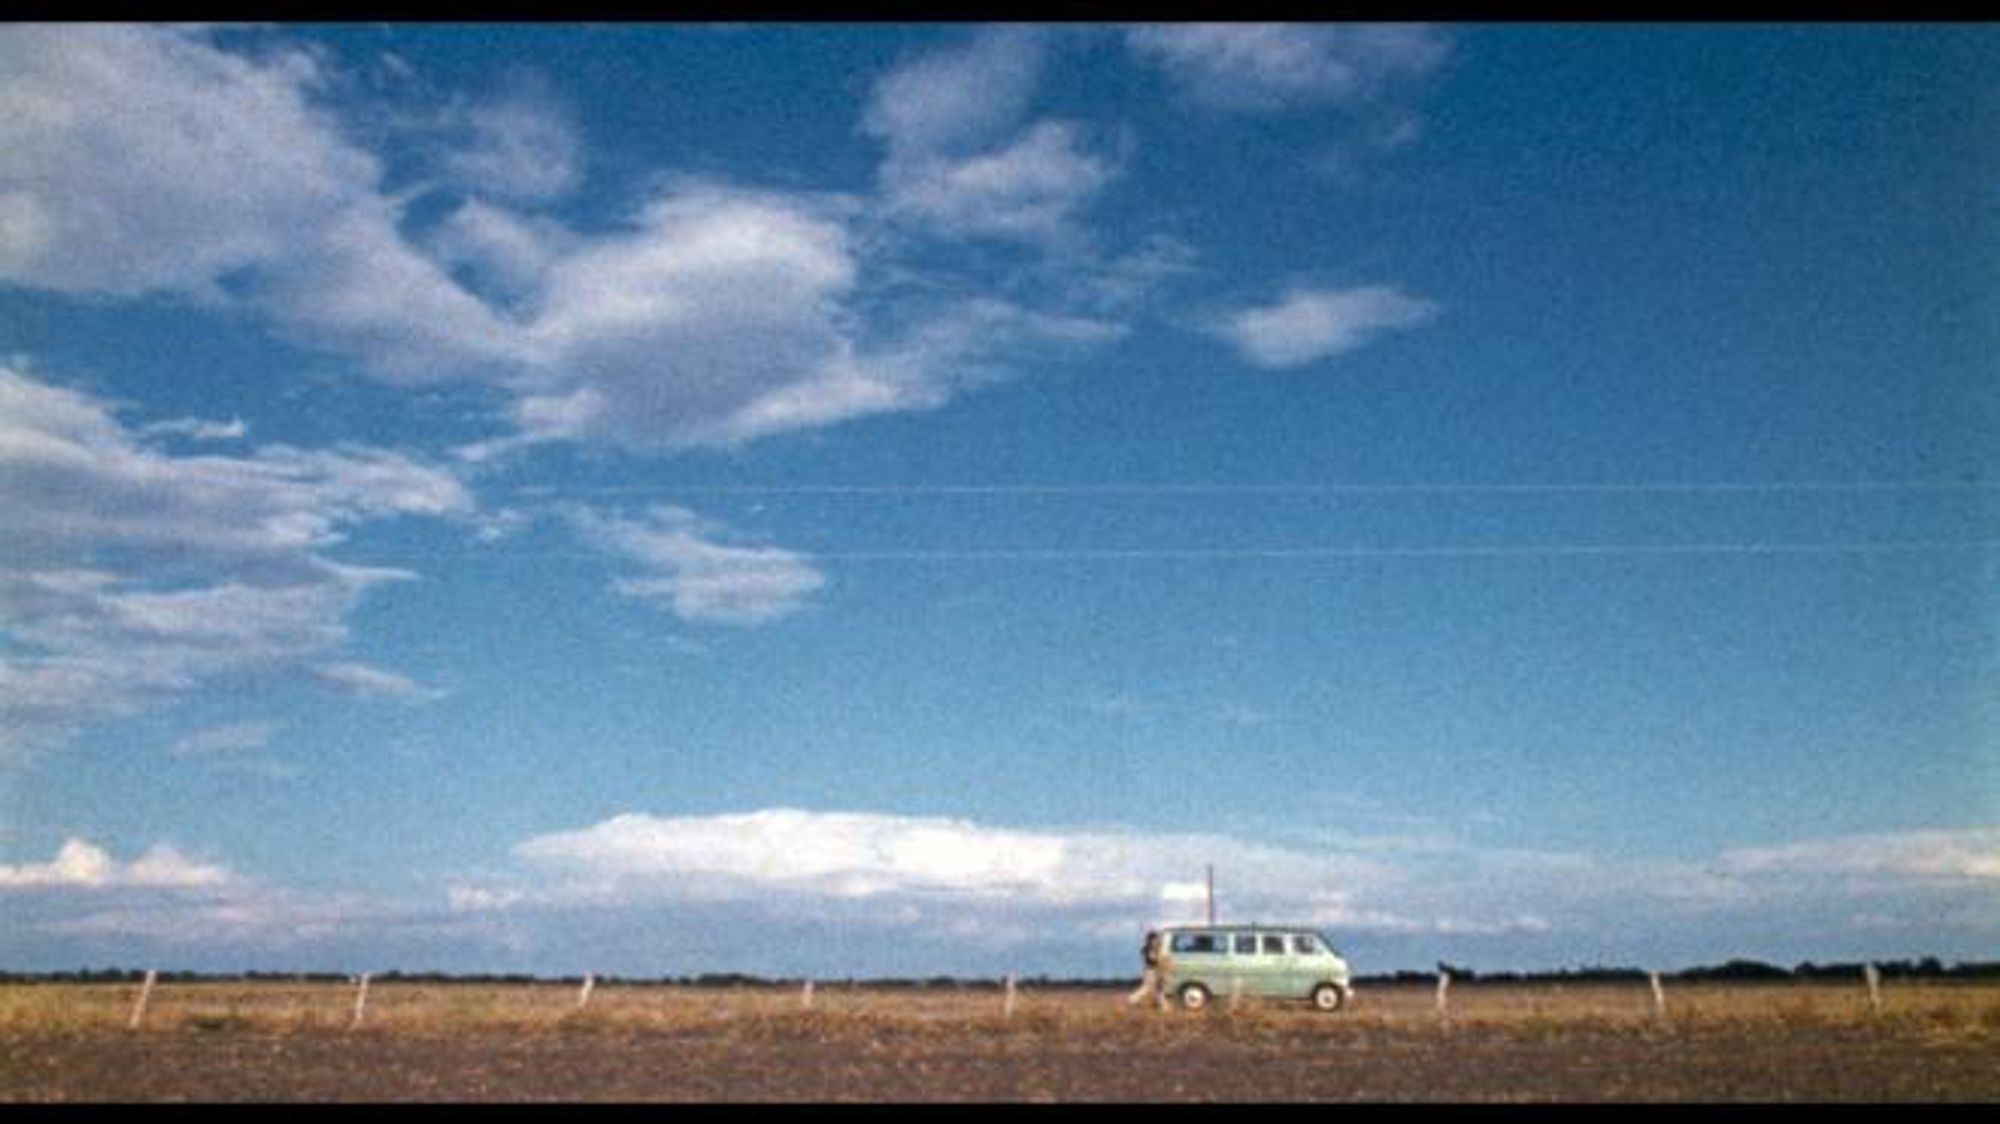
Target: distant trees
x=1738 y=970
x=1928 y=967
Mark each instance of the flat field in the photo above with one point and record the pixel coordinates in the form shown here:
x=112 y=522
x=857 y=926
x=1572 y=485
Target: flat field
x=271 y=1041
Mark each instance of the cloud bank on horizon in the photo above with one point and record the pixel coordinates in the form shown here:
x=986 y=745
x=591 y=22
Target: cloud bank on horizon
x=978 y=892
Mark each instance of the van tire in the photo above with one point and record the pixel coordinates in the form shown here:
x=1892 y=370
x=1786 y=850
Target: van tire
x=1327 y=997
x=1194 y=997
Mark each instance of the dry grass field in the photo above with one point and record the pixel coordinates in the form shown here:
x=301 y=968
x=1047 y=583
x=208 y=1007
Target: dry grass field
x=267 y=1041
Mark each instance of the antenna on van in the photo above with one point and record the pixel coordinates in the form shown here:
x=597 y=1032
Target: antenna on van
x=1211 y=893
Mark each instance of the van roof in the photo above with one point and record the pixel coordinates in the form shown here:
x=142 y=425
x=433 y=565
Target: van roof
x=1252 y=927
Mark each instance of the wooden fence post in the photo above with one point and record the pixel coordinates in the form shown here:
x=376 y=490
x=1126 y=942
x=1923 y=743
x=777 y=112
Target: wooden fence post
x=583 y=996
x=806 y=996
x=1007 y=1005
x=360 y=1001
x=1874 y=977
x=1444 y=986
x=145 y=993
x=1659 y=997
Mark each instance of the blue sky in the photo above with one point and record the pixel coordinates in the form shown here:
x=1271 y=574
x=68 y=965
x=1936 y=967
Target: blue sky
x=876 y=499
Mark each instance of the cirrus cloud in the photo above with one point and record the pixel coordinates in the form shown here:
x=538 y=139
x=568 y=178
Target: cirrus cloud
x=132 y=575
x=696 y=575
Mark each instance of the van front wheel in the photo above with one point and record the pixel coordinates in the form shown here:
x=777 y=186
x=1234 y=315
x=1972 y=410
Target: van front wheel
x=1327 y=997
x=1194 y=997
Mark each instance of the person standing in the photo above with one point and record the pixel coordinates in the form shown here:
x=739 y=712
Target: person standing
x=1149 y=983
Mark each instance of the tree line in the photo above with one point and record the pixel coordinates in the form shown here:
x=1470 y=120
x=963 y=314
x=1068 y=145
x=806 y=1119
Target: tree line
x=1929 y=967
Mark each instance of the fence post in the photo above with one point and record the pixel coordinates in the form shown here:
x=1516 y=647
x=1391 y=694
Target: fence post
x=806 y=996
x=145 y=993
x=583 y=996
x=1659 y=997
x=1444 y=986
x=1007 y=1005
x=360 y=1001
x=1874 y=977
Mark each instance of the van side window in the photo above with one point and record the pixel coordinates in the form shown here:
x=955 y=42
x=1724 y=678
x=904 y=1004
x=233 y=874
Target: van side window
x=1274 y=945
x=1197 y=942
x=1246 y=943
x=1305 y=944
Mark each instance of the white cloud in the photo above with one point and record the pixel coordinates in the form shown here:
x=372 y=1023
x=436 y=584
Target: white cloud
x=505 y=254
x=232 y=739
x=840 y=854
x=718 y=318
x=1971 y=854
x=151 y=160
x=1252 y=66
x=698 y=577
x=1307 y=324
x=522 y=146
x=197 y=429
x=363 y=681
x=130 y=575
x=1030 y=189
x=141 y=159
x=788 y=859
x=959 y=98
x=959 y=162
x=938 y=875
x=82 y=864
x=144 y=159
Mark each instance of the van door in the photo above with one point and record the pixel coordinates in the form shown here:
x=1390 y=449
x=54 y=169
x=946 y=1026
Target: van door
x=1245 y=965
x=1274 y=963
x=1252 y=960
x=1199 y=957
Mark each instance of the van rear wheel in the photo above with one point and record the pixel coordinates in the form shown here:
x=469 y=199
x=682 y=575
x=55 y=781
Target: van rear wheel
x=1327 y=997
x=1194 y=997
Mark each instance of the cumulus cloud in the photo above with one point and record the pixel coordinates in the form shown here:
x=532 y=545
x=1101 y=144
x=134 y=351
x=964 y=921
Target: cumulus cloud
x=151 y=160
x=961 y=98
x=131 y=575
x=943 y=877
x=145 y=159
x=717 y=318
x=1030 y=189
x=958 y=160
x=503 y=255
x=523 y=147
x=696 y=575
x=789 y=859
x=1268 y=66
x=1308 y=324
x=82 y=864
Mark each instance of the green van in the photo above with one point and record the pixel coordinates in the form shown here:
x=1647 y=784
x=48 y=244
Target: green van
x=1201 y=962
